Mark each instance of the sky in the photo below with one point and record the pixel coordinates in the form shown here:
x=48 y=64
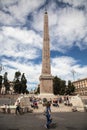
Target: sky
x=21 y=38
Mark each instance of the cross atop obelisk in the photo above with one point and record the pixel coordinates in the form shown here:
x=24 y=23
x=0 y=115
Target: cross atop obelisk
x=46 y=79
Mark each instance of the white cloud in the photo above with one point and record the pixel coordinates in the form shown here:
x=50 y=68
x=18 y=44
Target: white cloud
x=37 y=23
x=23 y=36
x=63 y=66
x=7 y=2
x=38 y=17
x=18 y=10
x=69 y=29
x=70 y=23
x=76 y=2
x=6 y=19
x=20 y=42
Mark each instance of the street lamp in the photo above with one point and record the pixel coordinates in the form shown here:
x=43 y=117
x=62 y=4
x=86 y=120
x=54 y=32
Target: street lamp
x=73 y=73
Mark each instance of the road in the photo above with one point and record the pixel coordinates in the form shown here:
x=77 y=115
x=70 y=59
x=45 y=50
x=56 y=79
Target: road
x=36 y=121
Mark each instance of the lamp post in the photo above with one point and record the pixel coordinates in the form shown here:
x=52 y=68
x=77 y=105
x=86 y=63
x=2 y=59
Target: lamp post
x=73 y=73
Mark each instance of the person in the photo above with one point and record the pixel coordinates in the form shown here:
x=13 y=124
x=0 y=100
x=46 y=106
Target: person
x=48 y=115
x=55 y=103
x=18 y=108
x=5 y=108
x=8 y=109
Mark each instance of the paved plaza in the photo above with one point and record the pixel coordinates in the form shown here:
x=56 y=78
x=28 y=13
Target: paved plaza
x=36 y=121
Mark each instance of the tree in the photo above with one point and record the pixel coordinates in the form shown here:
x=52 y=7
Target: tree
x=27 y=92
x=17 y=75
x=0 y=81
x=17 y=82
x=70 y=88
x=59 y=86
x=62 y=87
x=17 y=86
x=37 y=90
x=56 y=85
x=20 y=82
x=23 y=83
x=6 y=82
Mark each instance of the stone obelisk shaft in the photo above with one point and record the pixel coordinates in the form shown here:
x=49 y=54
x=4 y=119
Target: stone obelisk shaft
x=46 y=79
x=46 y=48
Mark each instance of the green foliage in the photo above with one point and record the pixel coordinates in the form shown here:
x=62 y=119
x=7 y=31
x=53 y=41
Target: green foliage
x=70 y=88
x=20 y=83
x=62 y=87
x=23 y=82
x=0 y=81
x=23 y=79
x=56 y=84
x=17 y=75
x=59 y=87
x=27 y=92
x=17 y=86
x=6 y=82
x=37 y=91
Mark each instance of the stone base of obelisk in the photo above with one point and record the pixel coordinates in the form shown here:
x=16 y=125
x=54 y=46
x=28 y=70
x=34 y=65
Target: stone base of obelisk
x=46 y=85
x=47 y=95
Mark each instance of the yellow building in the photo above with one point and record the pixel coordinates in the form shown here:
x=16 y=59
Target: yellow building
x=80 y=86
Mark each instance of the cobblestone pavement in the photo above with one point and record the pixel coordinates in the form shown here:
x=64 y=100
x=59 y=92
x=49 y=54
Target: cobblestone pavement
x=36 y=121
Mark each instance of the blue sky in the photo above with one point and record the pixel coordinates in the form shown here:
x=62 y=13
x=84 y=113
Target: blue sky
x=21 y=38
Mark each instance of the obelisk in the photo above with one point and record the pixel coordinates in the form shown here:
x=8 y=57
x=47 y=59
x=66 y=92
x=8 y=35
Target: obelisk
x=46 y=79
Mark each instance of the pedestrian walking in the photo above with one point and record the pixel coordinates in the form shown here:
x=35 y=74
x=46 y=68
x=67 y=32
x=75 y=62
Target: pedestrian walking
x=18 y=108
x=48 y=115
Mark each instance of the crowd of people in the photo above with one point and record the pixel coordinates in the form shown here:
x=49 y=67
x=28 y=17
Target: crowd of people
x=55 y=101
x=47 y=103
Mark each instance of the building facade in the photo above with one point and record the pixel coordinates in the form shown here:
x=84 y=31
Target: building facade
x=80 y=86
